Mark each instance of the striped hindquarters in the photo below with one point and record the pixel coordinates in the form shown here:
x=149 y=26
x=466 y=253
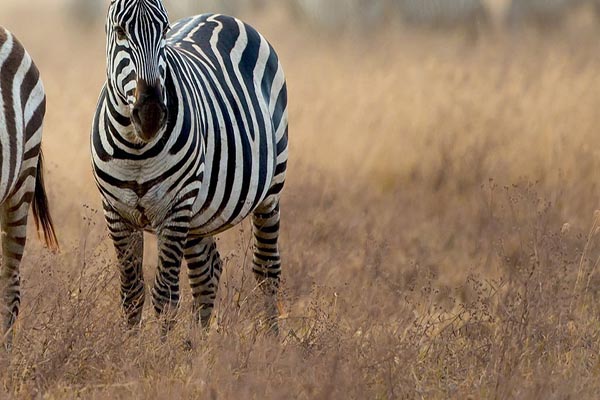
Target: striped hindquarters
x=24 y=103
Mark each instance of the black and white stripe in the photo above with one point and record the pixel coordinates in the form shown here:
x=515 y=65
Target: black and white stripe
x=190 y=152
x=22 y=105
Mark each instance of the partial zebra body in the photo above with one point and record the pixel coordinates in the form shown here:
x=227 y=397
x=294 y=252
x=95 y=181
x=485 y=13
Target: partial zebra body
x=220 y=157
x=17 y=137
x=23 y=102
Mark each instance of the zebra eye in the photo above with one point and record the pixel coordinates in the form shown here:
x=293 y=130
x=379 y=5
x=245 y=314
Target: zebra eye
x=120 y=32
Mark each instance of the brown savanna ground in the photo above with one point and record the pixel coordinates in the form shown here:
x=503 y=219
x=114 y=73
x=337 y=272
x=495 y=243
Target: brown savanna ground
x=439 y=236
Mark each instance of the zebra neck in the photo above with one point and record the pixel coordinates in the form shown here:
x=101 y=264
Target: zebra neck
x=119 y=126
x=118 y=117
x=118 y=121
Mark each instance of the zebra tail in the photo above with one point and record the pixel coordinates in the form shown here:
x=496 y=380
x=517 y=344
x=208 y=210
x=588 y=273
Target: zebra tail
x=41 y=211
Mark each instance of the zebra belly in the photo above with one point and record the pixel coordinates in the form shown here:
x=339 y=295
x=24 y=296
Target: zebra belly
x=217 y=223
x=218 y=216
x=230 y=193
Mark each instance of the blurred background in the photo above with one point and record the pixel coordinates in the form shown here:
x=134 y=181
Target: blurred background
x=333 y=15
x=443 y=177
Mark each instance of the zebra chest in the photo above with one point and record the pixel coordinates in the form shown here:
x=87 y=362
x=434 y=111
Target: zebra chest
x=146 y=212
x=144 y=204
x=145 y=192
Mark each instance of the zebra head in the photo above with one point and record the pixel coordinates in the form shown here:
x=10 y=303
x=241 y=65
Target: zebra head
x=136 y=66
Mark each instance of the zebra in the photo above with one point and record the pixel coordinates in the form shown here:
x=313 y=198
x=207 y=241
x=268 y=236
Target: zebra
x=190 y=136
x=23 y=105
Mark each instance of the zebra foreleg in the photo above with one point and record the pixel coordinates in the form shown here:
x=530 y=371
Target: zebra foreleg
x=13 y=217
x=129 y=245
x=266 y=259
x=171 y=241
x=204 y=272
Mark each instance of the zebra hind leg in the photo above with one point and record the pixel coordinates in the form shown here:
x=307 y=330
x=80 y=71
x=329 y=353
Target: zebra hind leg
x=204 y=271
x=13 y=220
x=266 y=259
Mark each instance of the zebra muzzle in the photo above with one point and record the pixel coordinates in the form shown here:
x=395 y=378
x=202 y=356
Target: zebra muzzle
x=149 y=114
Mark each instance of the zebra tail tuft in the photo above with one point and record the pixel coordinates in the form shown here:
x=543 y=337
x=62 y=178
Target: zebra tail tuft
x=41 y=211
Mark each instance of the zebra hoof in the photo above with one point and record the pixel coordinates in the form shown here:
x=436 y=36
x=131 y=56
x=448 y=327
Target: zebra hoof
x=166 y=326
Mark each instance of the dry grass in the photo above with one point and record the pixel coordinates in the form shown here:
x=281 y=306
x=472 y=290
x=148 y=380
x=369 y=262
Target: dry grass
x=439 y=234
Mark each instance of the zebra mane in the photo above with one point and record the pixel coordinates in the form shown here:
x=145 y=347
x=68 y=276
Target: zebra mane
x=114 y=1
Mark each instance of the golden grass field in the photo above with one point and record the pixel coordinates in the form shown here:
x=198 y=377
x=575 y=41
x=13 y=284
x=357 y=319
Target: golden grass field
x=439 y=238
